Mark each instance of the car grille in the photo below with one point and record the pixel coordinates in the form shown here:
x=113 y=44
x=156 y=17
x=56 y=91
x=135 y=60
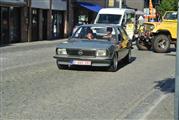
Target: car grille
x=80 y=52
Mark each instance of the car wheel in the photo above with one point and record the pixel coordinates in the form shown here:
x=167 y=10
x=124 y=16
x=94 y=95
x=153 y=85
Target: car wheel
x=161 y=44
x=114 y=65
x=142 y=44
x=61 y=66
x=127 y=59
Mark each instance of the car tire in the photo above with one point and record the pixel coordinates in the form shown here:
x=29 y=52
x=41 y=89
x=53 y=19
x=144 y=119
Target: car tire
x=141 y=45
x=114 y=65
x=161 y=44
x=61 y=66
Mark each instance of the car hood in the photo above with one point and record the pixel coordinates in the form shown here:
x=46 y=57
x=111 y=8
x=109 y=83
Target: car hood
x=86 y=44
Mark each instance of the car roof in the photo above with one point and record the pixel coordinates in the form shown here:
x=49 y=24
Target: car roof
x=100 y=25
x=115 y=11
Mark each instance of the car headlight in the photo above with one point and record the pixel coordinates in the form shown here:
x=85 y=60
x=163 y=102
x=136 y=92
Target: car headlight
x=152 y=27
x=61 y=51
x=101 y=53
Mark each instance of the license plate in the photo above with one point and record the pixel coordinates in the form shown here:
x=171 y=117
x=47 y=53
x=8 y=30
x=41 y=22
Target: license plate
x=79 y=62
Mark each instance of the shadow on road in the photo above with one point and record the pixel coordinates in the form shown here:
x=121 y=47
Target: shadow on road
x=166 y=86
x=100 y=69
x=169 y=54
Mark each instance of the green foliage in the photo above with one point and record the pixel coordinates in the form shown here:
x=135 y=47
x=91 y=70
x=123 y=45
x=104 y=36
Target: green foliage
x=167 y=5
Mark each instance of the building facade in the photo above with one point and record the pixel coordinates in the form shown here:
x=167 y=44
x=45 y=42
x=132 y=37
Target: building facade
x=83 y=11
x=11 y=17
x=135 y=4
x=32 y=20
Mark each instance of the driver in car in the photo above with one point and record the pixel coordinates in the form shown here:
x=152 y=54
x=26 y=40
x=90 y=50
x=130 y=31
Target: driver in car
x=109 y=34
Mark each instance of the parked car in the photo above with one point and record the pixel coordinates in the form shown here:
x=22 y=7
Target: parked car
x=99 y=50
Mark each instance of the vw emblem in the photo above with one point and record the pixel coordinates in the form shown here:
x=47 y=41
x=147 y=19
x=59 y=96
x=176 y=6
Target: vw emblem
x=80 y=52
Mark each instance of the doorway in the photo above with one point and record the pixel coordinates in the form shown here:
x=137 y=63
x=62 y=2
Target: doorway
x=44 y=19
x=4 y=25
x=35 y=24
x=57 y=24
x=14 y=25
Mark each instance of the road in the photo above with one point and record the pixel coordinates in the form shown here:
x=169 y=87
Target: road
x=33 y=88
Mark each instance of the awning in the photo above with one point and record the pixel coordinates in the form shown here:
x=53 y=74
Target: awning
x=90 y=6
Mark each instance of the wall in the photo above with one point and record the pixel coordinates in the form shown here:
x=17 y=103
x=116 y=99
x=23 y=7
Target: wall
x=138 y=4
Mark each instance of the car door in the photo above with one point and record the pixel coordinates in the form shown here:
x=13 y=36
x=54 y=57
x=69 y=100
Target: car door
x=123 y=42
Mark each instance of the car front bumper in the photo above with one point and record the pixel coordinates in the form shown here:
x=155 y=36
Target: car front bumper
x=96 y=62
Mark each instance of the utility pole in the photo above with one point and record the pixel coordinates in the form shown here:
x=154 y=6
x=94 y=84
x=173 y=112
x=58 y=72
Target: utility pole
x=177 y=73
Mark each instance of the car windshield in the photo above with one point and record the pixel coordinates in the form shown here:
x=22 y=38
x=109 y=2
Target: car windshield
x=170 y=16
x=94 y=33
x=109 y=19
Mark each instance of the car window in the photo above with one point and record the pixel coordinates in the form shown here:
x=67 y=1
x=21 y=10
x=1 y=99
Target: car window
x=98 y=32
x=109 y=19
x=170 y=16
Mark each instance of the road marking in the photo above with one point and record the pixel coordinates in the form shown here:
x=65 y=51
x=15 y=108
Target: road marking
x=144 y=117
x=147 y=104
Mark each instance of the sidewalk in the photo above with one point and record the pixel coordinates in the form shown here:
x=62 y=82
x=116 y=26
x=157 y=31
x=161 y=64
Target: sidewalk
x=30 y=45
x=43 y=42
x=163 y=108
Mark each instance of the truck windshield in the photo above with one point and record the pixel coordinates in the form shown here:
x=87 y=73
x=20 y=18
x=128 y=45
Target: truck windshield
x=109 y=19
x=170 y=16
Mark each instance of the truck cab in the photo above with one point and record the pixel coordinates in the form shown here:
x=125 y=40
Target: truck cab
x=121 y=17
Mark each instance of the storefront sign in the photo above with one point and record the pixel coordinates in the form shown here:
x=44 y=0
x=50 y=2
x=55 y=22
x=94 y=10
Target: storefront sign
x=13 y=2
x=43 y=4
x=59 y=5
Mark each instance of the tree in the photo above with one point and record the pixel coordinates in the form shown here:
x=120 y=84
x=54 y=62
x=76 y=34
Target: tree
x=167 y=5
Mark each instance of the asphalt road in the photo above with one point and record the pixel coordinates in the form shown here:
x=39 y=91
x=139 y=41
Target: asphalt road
x=32 y=87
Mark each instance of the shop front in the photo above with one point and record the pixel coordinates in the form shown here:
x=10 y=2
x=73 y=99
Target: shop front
x=59 y=8
x=85 y=12
x=57 y=24
x=47 y=19
x=10 y=17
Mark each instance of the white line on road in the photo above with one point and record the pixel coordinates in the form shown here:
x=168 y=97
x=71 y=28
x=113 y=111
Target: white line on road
x=156 y=103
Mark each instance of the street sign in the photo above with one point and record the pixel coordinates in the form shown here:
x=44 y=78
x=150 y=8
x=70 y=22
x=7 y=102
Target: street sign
x=177 y=73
